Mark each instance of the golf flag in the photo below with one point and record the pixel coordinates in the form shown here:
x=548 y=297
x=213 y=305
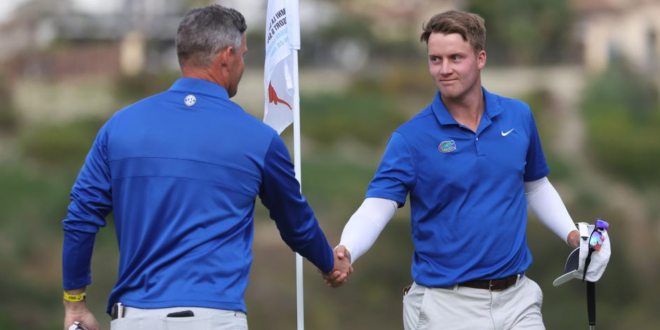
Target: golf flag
x=282 y=41
x=282 y=97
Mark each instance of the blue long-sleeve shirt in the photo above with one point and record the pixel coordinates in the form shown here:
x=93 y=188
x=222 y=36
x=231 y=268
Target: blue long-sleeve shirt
x=181 y=171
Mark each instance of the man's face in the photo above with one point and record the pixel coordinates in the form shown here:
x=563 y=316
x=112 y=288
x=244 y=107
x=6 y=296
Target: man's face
x=236 y=67
x=454 y=66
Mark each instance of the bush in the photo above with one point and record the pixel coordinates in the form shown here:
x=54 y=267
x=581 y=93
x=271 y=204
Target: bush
x=369 y=117
x=8 y=117
x=59 y=145
x=623 y=114
x=131 y=89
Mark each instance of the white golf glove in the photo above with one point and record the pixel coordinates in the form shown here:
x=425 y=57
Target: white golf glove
x=577 y=260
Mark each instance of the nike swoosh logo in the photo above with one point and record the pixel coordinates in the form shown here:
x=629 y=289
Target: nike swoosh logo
x=507 y=133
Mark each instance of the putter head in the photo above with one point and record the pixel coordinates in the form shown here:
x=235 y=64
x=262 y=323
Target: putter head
x=77 y=326
x=570 y=269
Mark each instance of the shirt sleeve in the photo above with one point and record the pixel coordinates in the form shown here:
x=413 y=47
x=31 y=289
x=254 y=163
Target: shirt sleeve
x=295 y=220
x=546 y=204
x=366 y=224
x=91 y=202
x=536 y=167
x=396 y=173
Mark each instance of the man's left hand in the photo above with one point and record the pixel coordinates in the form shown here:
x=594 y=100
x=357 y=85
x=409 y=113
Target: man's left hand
x=78 y=311
x=599 y=260
x=573 y=239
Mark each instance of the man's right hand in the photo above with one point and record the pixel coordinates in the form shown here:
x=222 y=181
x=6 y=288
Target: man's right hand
x=342 y=270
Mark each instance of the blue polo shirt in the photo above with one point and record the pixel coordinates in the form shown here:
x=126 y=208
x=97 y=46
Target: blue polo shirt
x=181 y=171
x=467 y=197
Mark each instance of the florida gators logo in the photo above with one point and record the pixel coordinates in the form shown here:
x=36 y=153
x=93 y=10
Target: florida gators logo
x=447 y=146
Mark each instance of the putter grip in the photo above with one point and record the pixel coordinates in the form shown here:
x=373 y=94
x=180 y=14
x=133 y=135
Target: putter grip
x=591 y=302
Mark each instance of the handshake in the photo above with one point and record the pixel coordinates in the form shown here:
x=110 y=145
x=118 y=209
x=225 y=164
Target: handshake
x=342 y=270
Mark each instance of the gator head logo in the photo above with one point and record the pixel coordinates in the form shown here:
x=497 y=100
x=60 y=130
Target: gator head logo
x=447 y=146
x=272 y=96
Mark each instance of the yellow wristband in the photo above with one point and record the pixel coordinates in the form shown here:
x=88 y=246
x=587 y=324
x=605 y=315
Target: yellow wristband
x=74 y=297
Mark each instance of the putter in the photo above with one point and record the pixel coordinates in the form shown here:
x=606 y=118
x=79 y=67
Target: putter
x=572 y=267
x=77 y=326
x=591 y=304
x=595 y=243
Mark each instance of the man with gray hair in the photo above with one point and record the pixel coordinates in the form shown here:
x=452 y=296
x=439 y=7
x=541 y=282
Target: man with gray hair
x=181 y=170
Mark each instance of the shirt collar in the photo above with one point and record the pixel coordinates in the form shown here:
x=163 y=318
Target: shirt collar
x=199 y=86
x=444 y=117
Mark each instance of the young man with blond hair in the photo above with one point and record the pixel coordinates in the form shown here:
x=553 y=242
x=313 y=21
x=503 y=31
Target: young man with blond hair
x=471 y=162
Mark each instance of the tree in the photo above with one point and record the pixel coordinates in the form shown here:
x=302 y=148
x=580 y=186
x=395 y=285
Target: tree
x=526 y=32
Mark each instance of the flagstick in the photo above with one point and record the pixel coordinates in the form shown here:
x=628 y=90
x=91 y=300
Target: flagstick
x=298 y=165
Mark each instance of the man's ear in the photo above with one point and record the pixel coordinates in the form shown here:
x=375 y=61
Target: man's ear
x=481 y=59
x=225 y=56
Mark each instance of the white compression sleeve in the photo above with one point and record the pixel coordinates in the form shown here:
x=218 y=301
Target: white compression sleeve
x=365 y=225
x=546 y=205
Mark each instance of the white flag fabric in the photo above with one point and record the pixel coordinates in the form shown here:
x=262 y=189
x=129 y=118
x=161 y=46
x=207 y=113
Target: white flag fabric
x=282 y=40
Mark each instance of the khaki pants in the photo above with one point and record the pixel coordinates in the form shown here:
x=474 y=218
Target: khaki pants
x=462 y=308
x=156 y=319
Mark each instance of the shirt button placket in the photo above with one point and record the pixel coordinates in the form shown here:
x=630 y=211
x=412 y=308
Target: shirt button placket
x=476 y=146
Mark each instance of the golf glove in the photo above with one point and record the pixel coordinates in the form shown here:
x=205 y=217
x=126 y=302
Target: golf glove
x=599 y=259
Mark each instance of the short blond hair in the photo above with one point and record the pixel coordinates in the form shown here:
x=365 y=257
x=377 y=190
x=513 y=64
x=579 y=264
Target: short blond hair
x=471 y=27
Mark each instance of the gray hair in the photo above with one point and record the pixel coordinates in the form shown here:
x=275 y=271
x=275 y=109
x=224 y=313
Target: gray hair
x=205 y=31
